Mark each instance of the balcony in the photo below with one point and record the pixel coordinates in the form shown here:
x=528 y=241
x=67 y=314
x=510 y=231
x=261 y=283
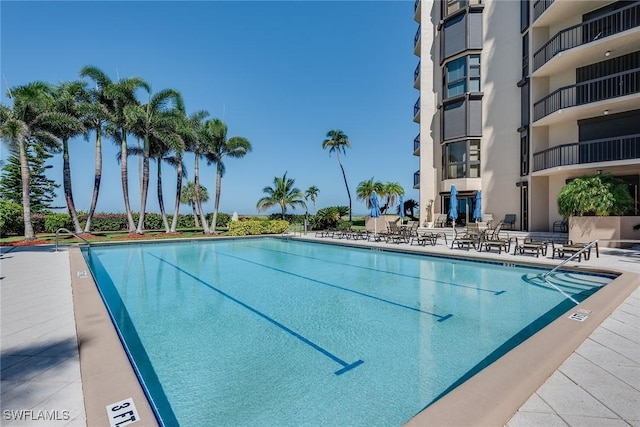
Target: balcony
x=416 y=145
x=587 y=32
x=417 y=10
x=604 y=88
x=416 y=111
x=416 y=42
x=539 y=7
x=416 y=180
x=596 y=151
x=416 y=77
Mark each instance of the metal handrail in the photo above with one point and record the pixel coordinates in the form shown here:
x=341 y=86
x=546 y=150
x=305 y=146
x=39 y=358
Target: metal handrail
x=72 y=233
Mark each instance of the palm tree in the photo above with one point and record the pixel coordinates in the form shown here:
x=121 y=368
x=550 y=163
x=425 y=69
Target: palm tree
x=157 y=120
x=282 y=194
x=392 y=190
x=188 y=196
x=365 y=188
x=337 y=142
x=312 y=193
x=66 y=125
x=95 y=111
x=122 y=94
x=410 y=206
x=199 y=146
x=23 y=124
x=236 y=147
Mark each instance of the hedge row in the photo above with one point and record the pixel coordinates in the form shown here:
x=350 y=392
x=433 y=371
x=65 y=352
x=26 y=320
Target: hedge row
x=254 y=226
x=11 y=222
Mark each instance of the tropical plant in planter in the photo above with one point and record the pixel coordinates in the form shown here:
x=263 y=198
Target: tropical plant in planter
x=595 y=195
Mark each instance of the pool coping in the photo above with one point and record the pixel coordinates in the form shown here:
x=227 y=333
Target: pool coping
x=490 y=397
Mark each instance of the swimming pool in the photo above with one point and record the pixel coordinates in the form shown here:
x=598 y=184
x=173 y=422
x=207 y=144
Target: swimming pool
x=276 y=332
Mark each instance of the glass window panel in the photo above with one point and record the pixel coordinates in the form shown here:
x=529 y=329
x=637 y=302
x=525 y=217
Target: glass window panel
x=474 y=171
x=474 y=59
x=456 y=69
x=474 y=85
x=456 y=88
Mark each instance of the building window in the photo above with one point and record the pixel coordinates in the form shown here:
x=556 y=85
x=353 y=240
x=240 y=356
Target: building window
x=462 y=75
x=525 y=115
x=449 y=7
x=525 y=55
x=524 y=15
x=461 y=159
x=524 y=152
x=462 y=117
x=461 y=32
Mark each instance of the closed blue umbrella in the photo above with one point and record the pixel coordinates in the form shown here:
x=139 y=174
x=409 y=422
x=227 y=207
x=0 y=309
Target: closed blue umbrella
x=453 y=205
x=477 y=212
x=401 y=210
x=375 y=210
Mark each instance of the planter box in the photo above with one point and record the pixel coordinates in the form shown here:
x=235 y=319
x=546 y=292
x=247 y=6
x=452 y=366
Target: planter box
x=584 y=229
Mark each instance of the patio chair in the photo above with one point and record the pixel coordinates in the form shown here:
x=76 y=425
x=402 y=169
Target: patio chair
x=492 y=239
x=509 y=221
x=561 y=226
x=440 y=221
x=395 y=234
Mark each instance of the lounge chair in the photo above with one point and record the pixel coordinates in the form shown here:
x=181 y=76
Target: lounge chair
x=571 y=248
x=492 y=239
x=395 y=234
x=470 y=237
x=531 y=246
x=440 y=221
x=509 y=221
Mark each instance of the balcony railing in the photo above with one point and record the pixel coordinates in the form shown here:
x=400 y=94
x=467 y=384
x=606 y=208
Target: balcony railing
x=600 y=150
x=416 y=73
x=587 y=32
x=612 y=86
x=539 y=7
x=415 y=5
x=416 y=179
x=416 y=108
x=416 y=143
x=416 y=37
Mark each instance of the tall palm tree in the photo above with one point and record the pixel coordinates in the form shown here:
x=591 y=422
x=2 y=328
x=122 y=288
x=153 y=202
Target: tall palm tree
x=22 y=124
x=67 y=125
x=338 y=142
x=235 y=147
x=392 y=190
x=282 y=194
x=199 y=146
x=187 y=129
x=122 y=94
x=312 y=193
x=188 y=196
x=365 y=188
x=155 y=120
x=95 y=111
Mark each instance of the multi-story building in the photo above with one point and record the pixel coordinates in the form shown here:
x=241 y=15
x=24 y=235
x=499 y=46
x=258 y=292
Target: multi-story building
x=519 y=97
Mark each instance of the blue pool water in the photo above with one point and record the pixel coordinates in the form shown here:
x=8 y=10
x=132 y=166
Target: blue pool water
x=271 y=332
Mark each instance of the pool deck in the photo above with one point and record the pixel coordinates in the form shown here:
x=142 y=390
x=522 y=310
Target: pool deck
x=598 y=384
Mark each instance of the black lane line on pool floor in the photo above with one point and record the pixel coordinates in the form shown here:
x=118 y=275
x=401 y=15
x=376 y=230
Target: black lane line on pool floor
x=475 y=288
x=440 y=317
x=345 y=366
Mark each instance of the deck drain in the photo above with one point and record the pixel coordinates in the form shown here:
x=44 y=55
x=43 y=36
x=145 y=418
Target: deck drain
x=82 y=273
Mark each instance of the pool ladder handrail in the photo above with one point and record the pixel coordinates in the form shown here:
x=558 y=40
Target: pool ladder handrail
x=71 y=233
x=579 y=253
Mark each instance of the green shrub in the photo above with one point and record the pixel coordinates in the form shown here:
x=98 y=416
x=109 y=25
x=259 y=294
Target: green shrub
x=11 y=221
x=254 y=227
x=54 y=221
x=223 y=219
x=599 y=195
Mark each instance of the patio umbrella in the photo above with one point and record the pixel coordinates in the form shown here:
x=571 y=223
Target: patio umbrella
x=477 y=212
x=453 y=205
x=375 y=210
x=401 y=210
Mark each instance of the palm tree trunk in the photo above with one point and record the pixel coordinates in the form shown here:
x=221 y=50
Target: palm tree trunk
x=195 y=214
x=145 y=186
x=217 y=200
x=68 y=192
x=160 y=198
x=345 y=183
x=125 y=182
x=196 y=181
x=26 y=191
x=96 y=181
x=176 y=209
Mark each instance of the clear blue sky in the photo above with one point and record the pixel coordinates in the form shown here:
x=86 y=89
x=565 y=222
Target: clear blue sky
x=280 y=74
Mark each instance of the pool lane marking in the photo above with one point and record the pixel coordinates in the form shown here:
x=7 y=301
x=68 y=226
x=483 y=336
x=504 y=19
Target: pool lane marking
x=345 y=366
x=475 y=288
x=440 y=317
